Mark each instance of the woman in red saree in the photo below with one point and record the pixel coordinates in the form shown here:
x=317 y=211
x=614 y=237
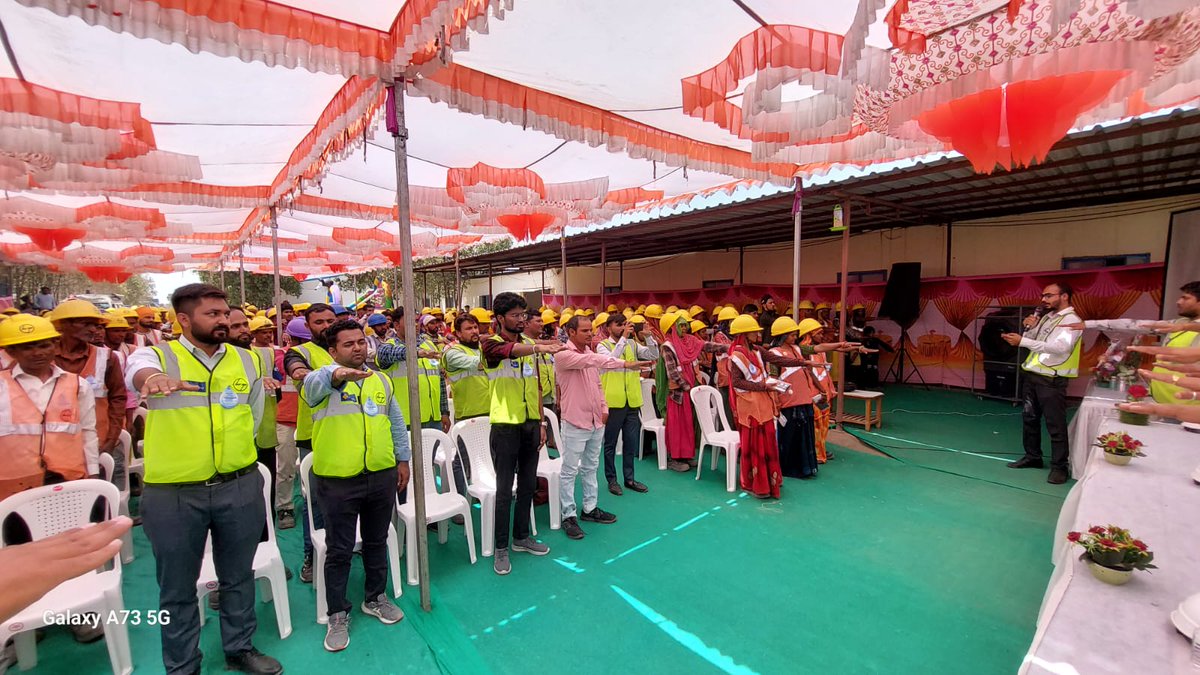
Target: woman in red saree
x=677 y=375
x=755 y=407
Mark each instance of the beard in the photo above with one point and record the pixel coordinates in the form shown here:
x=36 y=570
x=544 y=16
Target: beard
x=211 y=336
x=243 y=341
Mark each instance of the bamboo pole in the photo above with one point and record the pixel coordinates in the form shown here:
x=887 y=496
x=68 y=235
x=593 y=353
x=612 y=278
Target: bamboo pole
x=843 y=360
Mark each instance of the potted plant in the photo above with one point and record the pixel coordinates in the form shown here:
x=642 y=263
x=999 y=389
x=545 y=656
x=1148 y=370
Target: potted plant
x=1105 y=371
x=1134 y=394
x=1112 y=553
x=1119 y=448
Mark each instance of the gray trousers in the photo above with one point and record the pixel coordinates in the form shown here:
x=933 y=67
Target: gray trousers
x=177 y=520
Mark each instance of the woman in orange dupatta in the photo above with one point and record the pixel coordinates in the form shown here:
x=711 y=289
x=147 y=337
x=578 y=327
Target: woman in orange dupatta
x=675 y=377
x=755 y=407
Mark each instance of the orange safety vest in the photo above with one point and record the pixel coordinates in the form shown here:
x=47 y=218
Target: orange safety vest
x=753 y=407
x=801 y=393
x=722 y=361
x=95 y=371
x=37 y=444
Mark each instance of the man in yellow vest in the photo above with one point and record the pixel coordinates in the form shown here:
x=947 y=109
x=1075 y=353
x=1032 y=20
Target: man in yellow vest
x=1054 y=351
x=516 y=417
x=390 y=358
x=360 y=461
x=623 y=392
x=299 y=360
x=205 y=400
x=535 y=330
x=463 y=362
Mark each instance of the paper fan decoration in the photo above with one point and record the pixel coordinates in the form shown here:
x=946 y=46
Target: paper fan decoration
x=53 y=227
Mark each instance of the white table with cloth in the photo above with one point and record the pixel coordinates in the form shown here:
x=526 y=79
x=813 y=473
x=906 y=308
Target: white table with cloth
x=1097 y=404
x=1087 y=626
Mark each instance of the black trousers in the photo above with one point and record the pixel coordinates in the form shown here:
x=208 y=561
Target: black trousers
x=797 y=442
x=515 y=453
x=177 y=520
x=628 y=424
x=1045 y=397
x=366 y=501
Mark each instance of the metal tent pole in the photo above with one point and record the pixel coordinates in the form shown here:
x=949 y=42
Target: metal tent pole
x=603 y=272
x=278 y=295
x=562 y=243
x=843 y=361
x=457 y=283
x=242 y=272
x=417 y=475
x=797 y=207
x=221 y=272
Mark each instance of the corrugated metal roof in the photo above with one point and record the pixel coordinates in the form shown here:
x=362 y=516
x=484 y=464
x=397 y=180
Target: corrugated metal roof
x=1136 y=159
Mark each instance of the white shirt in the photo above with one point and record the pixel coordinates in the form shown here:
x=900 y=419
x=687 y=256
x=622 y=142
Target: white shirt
x=1058 y=342
x=146 y=359
x=39 y=392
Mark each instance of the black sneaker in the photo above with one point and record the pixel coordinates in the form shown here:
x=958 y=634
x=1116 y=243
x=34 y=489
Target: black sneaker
x=306 y=571
x=598 y=515
x=636 y=486
x=1057 y=476
x=615 y=488
x=287 y=519
x=570 y=527
x=1026 y=463
x=252 y=661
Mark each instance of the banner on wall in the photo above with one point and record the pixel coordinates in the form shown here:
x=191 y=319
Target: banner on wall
x=944 y=340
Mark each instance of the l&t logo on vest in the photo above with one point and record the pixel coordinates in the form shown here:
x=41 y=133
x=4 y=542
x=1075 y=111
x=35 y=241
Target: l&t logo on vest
x=240 y=385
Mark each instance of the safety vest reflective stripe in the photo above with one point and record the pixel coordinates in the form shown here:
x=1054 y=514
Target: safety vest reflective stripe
x=265 y=436
x=470 y=387
x=177 y=447
x=352 y=432
x=513 y=384
x=428 y=389
x=622 y=388
x=35 y=445
x=1164 y=392
x=316 y=358
x=1056 y=366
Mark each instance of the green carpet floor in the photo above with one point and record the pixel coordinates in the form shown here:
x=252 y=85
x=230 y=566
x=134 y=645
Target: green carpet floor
x=877 y=566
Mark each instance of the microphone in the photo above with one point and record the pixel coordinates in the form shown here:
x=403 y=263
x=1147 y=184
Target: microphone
x=1041 y=311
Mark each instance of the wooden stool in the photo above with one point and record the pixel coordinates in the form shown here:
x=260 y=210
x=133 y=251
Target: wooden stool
x=870 y=399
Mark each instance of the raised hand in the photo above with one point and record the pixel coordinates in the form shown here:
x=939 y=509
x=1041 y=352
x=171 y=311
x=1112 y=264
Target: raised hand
x=638 y=365
x=344 y=374
x=1177 y=354
x=160 y=384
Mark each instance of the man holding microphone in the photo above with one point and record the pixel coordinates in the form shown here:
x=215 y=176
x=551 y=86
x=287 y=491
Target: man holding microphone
x=1054 y=349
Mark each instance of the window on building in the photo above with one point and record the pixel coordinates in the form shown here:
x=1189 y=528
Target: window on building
x=718 y=283
x=608 y=290
x=1096 y=261
x=864 y=277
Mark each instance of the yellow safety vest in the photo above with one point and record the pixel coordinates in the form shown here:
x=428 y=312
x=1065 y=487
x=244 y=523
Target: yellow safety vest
x=622 y=388
x=513 y=384
x=427 y=383
x=265 y=436
x=352 y=432
x=1055 y=366
x=547 y=376
x=470 y=387
x=1164 y=392
x=192 y=435
x=317 y=357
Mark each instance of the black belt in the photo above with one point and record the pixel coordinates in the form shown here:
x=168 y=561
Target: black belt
x=216 y=479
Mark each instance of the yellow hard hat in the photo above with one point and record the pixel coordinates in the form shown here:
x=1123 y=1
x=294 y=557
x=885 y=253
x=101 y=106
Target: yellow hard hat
x=437 y=311
x=783 y=324
x=271 y=313
x=641 y=309
x=25 y=328
x=838 y=307
x=694 y=310
x=548 y=316
x=673 y=308
x=806 y=304
x=667 y=322
x=611 y=308
x=637 y=318
x=424 y=310
x=588 y=312
x=176 y=329
x=251 y=309
x=697 y=325
x=744 y=323
x=727 y=314
x=627 y=312
x=823 y=305
x=259 y=323
x=481 y=315
x=857 y=306
x=116 y=321
x=75 y=309
x=807 y=326
x=301 y=307
x=653 y=312
x=601 y=318
x=10 y=311
x=715 y=311
x=566 y=316
x=128 y=313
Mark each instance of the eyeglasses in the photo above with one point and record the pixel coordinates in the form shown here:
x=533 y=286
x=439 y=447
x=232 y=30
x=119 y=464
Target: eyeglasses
x=1050 y=295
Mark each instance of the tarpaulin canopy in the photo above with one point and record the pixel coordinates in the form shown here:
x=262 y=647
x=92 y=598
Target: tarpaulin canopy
x=186 y=124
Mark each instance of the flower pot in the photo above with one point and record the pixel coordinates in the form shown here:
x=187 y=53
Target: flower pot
x=1119 y=460
x=1104 y=384
x=1136 y=419
x=1109 y=575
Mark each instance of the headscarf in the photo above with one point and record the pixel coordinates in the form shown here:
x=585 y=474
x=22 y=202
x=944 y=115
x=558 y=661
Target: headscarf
x=687 y=349
x=740 y=344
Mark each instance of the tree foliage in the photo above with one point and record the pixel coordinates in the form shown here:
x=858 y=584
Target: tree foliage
x=260 y=288
x=28 y=279
x=431 y=288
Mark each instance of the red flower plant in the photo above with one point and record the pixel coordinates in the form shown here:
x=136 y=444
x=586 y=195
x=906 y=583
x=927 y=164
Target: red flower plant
x=1096 y=529
x=1120 y=444
x=1138 y=392
x=1073 y=537
x=1113 y=547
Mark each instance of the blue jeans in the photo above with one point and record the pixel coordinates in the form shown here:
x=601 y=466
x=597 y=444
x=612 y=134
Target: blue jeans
x=580 y=455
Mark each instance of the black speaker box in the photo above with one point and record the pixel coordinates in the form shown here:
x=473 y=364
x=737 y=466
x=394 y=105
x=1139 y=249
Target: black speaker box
x=902 y=297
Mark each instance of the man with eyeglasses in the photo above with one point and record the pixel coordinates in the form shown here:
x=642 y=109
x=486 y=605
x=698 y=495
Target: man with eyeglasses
x=1054 y=351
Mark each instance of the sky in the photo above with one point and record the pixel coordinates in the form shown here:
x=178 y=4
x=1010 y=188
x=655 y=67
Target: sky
x=164 y=284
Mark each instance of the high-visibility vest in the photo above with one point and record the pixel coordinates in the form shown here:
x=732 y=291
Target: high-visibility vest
x=1056 y=366
x=352 y=432
x=192 y=435
x=752 y=407
x=513 y=384
x=470 y=387
x=622 y=388
x=797 y=376
x=317 y=357
x=547 y=376
x=1164 y=392
x=428 y=391
x=95 y=371
x=264 y=436
x=35 y=444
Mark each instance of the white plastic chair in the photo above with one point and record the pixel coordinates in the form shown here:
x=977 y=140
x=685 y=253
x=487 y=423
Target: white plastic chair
x=268 y=569
x=107 y=468
x=136 y=464
x=440 y=507
x=318 y=542
x=716 y=432
x=476 y=437
x=49 y=510
x=652 y=423
x=551 y=469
